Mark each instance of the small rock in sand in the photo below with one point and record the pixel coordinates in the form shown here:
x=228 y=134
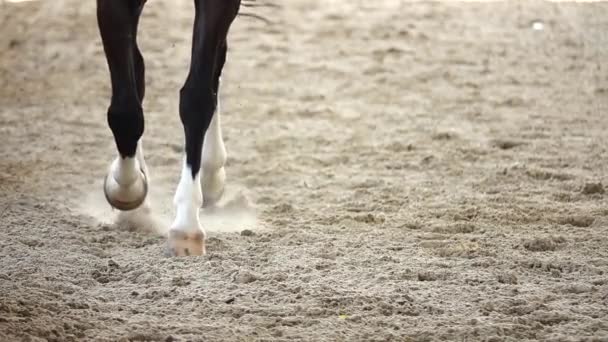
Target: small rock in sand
x=540 y=244
x=507 y=278
x=245 y=277
x=247 y=232
x=593 y=188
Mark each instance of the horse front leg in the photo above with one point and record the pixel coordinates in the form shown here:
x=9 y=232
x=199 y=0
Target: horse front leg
x=125 y=185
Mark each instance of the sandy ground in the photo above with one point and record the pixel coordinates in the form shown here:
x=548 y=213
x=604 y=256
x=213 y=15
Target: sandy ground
x=406 y=170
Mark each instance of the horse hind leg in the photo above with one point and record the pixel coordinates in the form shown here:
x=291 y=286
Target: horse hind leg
x=198 y=104
x=213 y=174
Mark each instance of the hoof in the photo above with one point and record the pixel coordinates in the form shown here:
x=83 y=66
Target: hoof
x=127 y=197
x=182 y=243
x=213 y=187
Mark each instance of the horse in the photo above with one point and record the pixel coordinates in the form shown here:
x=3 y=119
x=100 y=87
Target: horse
x=203 y=176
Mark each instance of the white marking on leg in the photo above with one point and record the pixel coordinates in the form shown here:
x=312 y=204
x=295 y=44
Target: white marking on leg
x=140 y=158
x=188 y=199
x=144 y=167
x=125 y=186
x=142 y=218
x=186 y=236
x=213 y=160
x=125 y=171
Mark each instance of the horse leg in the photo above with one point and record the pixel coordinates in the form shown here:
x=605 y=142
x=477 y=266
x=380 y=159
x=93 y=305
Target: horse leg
x=125 y=185
x=213 y=175
x=198 y=102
